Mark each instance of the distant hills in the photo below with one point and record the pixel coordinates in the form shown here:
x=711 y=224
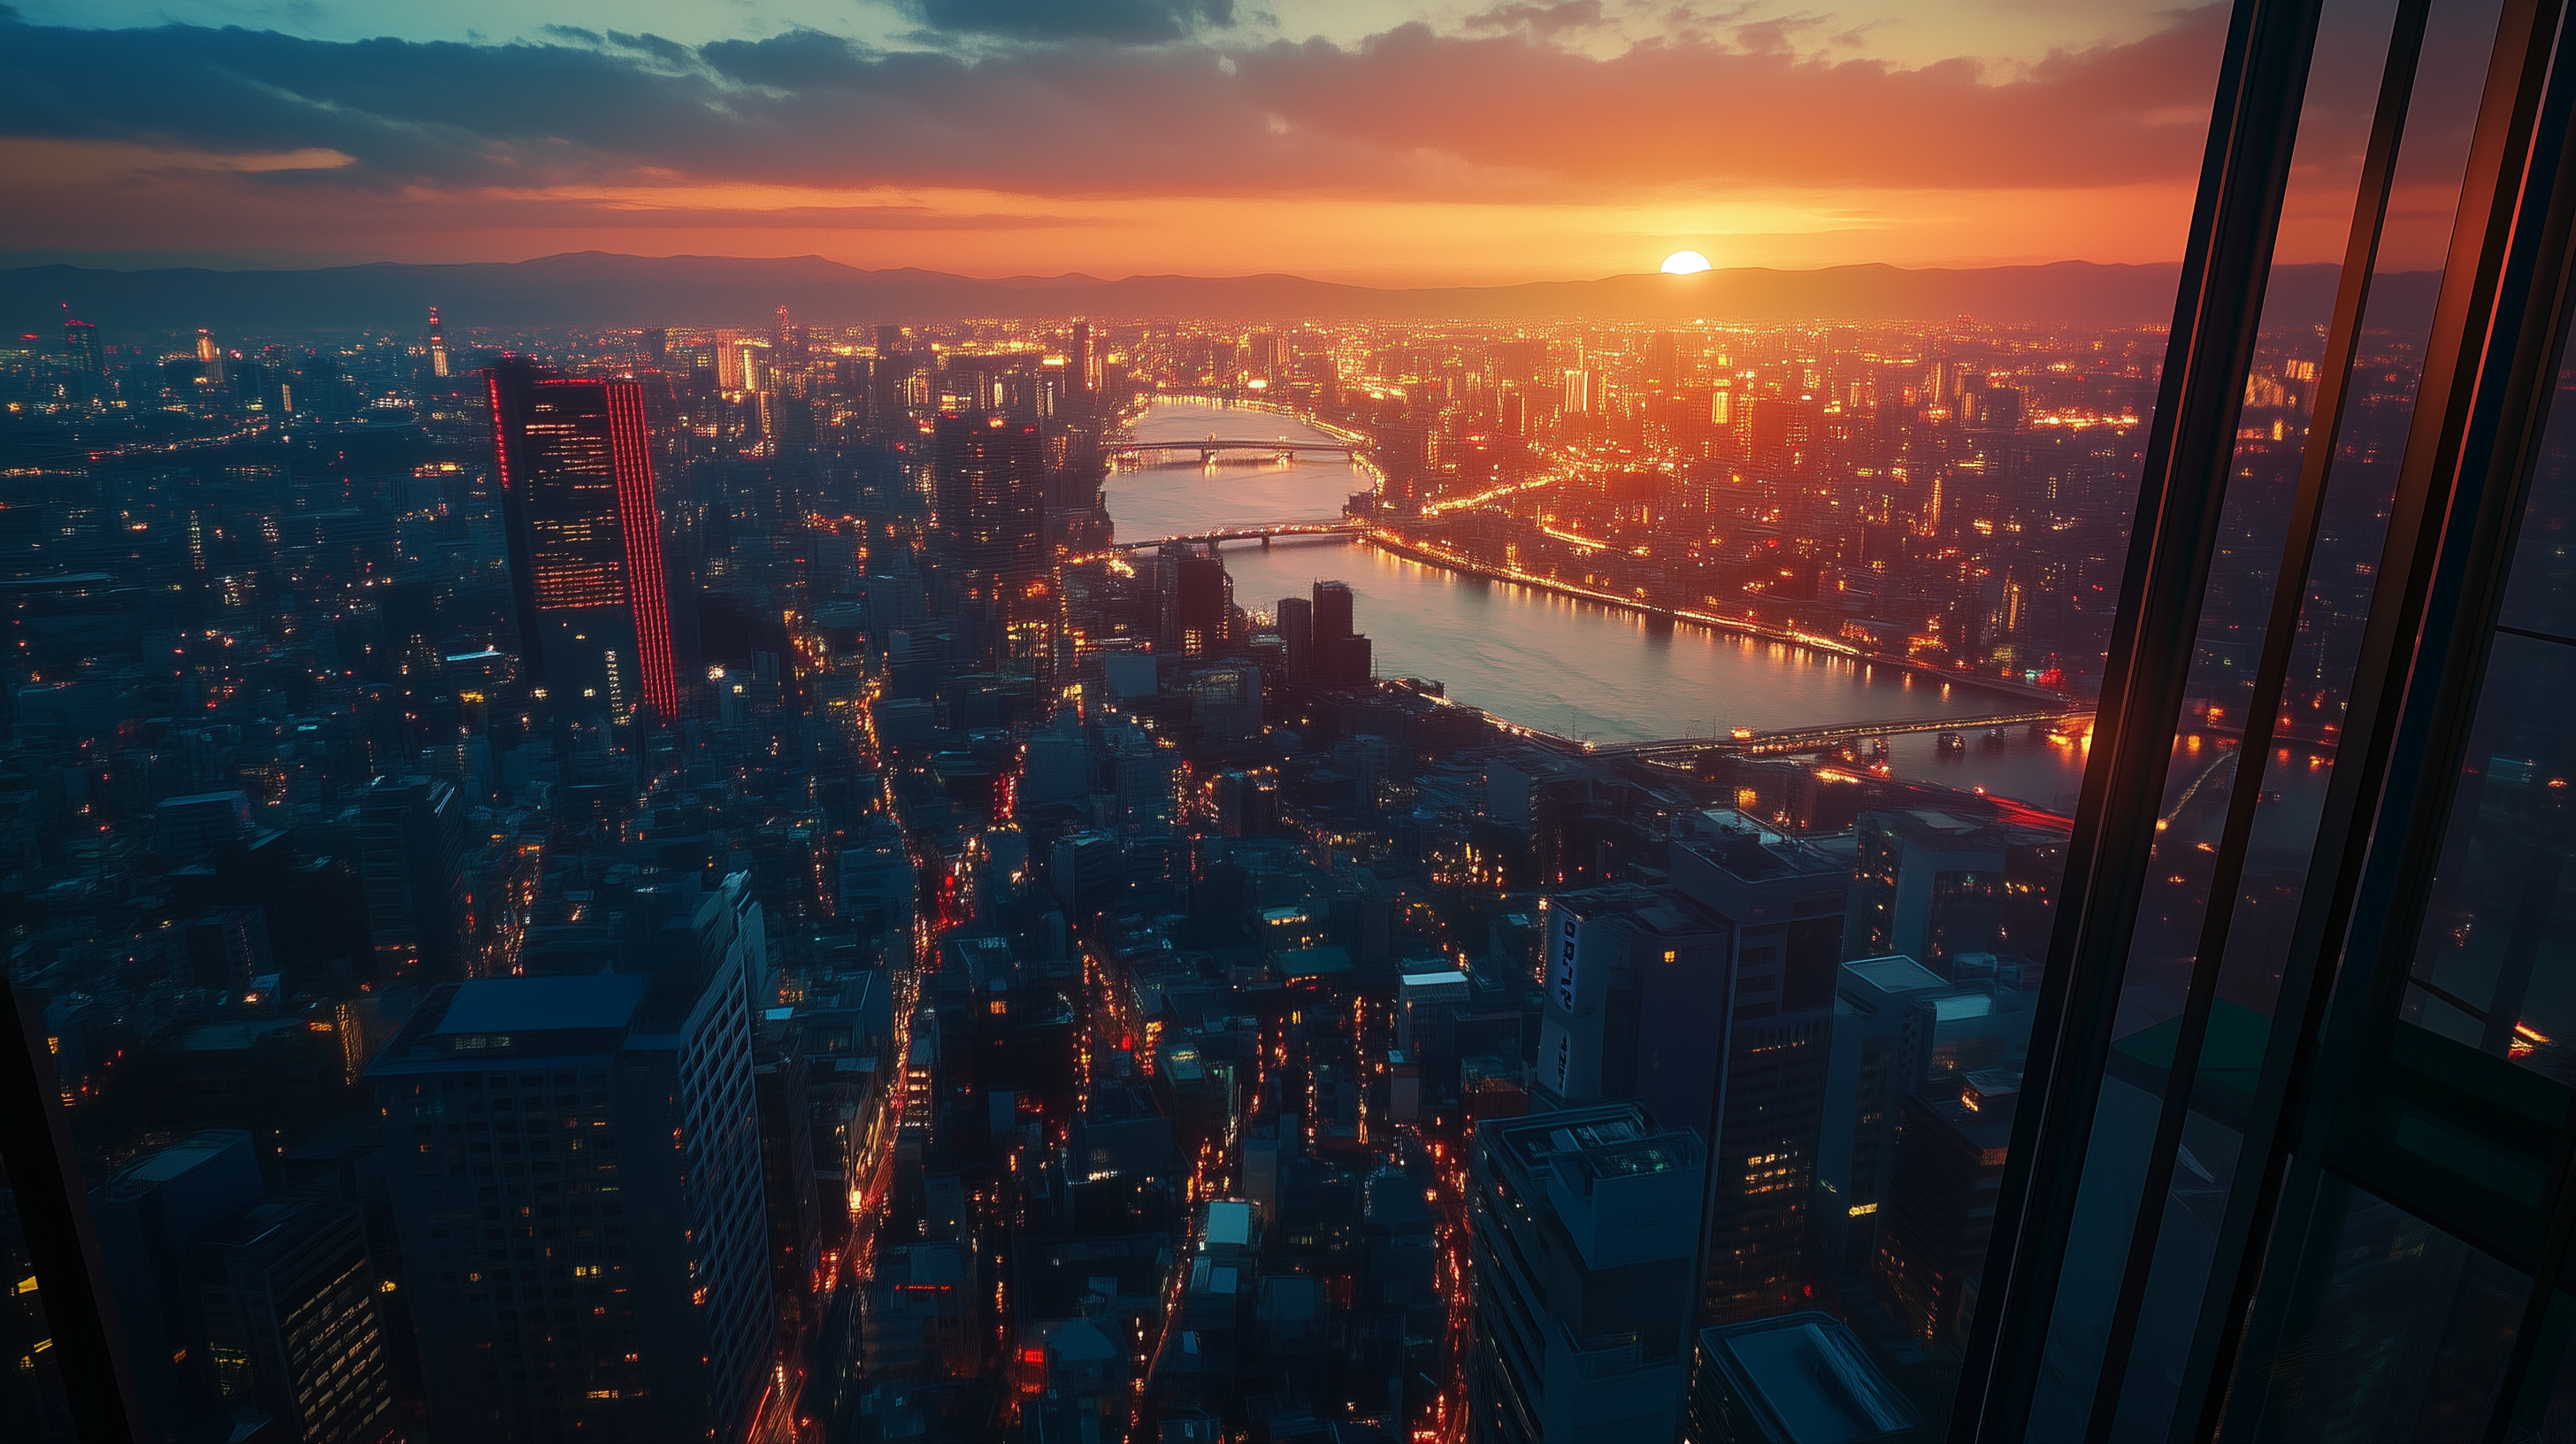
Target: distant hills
x=595 y=288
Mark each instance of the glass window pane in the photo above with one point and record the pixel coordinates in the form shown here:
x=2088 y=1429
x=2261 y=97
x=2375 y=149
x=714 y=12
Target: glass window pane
x=2398 y=1333
x=31 y=1379
x=2206 y=766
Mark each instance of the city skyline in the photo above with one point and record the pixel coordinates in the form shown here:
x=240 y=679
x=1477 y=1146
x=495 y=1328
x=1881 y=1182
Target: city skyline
x=702 y=850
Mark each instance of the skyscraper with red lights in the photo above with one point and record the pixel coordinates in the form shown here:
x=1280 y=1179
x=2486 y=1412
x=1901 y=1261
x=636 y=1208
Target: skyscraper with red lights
x=585 y=538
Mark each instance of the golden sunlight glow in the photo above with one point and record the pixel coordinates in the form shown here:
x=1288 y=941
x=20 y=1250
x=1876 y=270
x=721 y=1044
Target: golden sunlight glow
x=1685 y=263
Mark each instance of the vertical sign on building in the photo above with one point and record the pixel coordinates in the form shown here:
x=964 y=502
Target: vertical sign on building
x=1569 y=934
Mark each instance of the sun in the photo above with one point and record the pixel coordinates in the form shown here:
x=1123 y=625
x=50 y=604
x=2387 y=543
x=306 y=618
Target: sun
x=1685 y=263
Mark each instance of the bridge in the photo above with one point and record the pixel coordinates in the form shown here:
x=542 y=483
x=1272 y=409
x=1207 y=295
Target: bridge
x=1263 y=534
x=1211 y=447
x=1745 y=742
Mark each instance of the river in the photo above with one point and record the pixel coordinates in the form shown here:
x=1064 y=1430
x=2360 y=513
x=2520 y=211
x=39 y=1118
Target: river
x=1540 y=659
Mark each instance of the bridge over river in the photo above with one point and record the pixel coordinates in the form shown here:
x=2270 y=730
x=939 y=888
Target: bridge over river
x=1211 y=447
x=1790 y=741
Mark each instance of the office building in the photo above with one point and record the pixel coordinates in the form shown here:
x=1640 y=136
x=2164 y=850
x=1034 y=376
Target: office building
x=1782 y=900
x=291 y=1322
x=1934 y=886
x=1584 y=1223
x=191 y=828
x=1951 y=1136
x=988 y=502
x=150 y=1218
x=1201 y=606
x=412 y=855
x=1296 y=620
x=1340 y=655
x=228 y=948
x=82 y=354
x=1801 y=1378
x=584 y=531
x=1638 y=983
x=437 y=346
x=1897 y=1028
x=580 y=1204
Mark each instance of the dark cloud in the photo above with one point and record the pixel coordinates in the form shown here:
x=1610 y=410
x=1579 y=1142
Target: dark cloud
x=1127 y=21
x=798 y=60
x=1409 y=114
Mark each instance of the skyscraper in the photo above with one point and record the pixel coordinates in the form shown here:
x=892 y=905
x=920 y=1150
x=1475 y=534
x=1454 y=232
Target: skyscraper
x=1583 y=1224
x=1297 y=631
x=1784 y=899
x=81 y=351
x=291 y=1323
x=580 y=1204
x=585 y=539
x=411 y=857
x=988 y=493
x=437 y=346
x=1339 y=653
x=1081 y=369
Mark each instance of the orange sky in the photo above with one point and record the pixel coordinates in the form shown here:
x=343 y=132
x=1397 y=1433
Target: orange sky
x=1517 y=143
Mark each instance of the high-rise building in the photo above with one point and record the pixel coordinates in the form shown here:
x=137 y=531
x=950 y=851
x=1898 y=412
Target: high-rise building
x=1202 y=602
x=585 y=540
x=1576 y=398
x=988 y=498
x=579 y=1198
x=1783 y=900
x=1583 y=1224
x=1951 y=1139
x=1082 y=375
x=411 y=858
x=1297 y=630
x=1801 y=1378
x=82 y=353
x=437 y=346
x=1637 y=983
x=1340 y=653
x=192 y=827
x=1663 y=367
x=1898 y=1027
x=151 y=1217
x=291 y=1322
x=228 y=948
x=1934 y=886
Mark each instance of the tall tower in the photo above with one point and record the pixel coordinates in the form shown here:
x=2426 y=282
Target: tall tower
x=988 y=484
x=411 y=857
x=612 y=1280
x=437 y=346
x=585 y=537
x=1084 y=377
x=81 y=351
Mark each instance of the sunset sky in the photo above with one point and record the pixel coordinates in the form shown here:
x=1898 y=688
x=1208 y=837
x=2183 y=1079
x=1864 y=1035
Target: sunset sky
x=1366 y=142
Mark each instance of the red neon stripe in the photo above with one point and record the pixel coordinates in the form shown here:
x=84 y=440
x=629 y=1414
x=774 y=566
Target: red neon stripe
x=640 y=524
x=500 y=431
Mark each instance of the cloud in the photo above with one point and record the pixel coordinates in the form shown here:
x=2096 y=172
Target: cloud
x=1127 y=21
x=1539 y=19
x=1407 y=110
x=1051 y=128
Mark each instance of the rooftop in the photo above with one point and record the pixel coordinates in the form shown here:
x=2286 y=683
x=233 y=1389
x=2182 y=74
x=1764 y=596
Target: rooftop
x=1808 y=1376
x=1898 y=974
x=530 y=1005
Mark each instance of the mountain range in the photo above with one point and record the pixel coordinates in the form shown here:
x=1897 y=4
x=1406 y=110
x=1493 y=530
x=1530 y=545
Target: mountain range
x=594 y=288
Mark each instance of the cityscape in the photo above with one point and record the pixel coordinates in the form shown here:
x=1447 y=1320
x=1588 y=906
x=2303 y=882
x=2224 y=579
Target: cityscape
x=1166 y=722
x=972 y=961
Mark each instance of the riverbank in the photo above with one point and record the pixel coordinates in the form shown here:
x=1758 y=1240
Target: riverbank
x=1434 y=555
